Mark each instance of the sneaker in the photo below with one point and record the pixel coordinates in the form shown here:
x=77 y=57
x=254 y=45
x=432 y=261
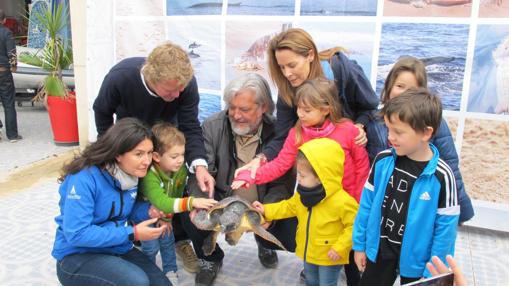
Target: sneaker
x=208 y=272
x=15 y=139
x=173 y=277
x=185 y=252
x=302 y=276
x=267 y=257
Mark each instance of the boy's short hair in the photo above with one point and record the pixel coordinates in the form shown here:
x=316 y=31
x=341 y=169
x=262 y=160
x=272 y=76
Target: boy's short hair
x=166 y=136
x=416 y=107
x=166 y=62
x=304 y=162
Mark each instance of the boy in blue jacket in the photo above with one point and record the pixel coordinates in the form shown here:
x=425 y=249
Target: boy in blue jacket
x=409 y=206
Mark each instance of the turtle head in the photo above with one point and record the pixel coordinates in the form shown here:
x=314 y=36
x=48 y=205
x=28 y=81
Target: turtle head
x=229 y=221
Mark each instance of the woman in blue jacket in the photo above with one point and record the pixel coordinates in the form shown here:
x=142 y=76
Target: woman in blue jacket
x=93 y=241
x=410 y=72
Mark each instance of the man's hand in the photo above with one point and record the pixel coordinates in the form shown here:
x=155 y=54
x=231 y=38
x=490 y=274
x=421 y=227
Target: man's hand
x=205 y=180
x=360 y=259
x=438 y=267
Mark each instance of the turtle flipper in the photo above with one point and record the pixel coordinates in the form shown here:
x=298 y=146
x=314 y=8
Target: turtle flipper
x=261 y=232
x=209 y=243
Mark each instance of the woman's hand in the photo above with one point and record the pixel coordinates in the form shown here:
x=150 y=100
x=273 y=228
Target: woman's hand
x=361 y=138
x=143 y=231
x=333 y=255
x=360 y=260
x=438 y=267
x=201 y=203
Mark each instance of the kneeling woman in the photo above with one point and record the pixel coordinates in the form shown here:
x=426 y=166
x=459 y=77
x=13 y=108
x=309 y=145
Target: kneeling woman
x=93 y=242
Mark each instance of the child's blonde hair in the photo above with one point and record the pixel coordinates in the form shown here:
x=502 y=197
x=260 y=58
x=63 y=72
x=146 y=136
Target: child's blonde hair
x=166 y=136
x=409 y=64
x=318 y=93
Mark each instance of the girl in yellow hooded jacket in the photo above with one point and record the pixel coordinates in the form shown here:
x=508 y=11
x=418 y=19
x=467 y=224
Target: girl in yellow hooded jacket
x=325 y=212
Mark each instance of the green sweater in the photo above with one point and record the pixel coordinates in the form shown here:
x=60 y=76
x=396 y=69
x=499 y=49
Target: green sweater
x=165 y=191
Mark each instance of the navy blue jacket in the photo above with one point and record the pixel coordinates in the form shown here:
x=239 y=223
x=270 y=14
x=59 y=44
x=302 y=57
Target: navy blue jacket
x=7 y=48
x=355 y=94
x=124 y=94
x=377 y=135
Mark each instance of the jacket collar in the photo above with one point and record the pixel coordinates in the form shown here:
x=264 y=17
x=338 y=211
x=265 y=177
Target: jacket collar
x=432 y=164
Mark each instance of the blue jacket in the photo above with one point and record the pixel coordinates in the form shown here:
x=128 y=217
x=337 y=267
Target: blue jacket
x=94 y=214
x=429 y=230
x=359 y=101
x=377 y=135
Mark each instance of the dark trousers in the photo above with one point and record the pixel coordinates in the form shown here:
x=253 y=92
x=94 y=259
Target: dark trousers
x=383 y=273
x=353 y=276
x=7 y=93
x=179 y=231
x=133 y=268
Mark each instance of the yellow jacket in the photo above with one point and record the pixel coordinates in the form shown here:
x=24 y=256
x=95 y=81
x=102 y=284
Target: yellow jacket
x=329 y=223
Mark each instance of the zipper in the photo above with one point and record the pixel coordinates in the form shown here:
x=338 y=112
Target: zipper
x=112 y=211
x=310 y=210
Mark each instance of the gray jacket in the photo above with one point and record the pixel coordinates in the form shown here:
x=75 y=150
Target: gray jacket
x=220 y=148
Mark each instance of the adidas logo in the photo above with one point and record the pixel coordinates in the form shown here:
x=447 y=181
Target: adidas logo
x=425 y=196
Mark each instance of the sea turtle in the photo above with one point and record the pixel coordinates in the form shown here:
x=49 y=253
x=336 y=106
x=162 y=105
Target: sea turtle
x=232 y=216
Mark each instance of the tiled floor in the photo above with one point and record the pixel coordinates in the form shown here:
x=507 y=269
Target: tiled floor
x=27 y=232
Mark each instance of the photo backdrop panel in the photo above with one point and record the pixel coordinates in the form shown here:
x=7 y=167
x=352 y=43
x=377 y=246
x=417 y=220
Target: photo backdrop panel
x=202 y=41
x=356 y=38
x=246 y=47
x=442 y=47
x=261 y=7
x=140 y=8
x=428 y=8
x=137 y=38
x=494 y=8
x=209 y=104
x=489 y=86
x=452 y=122
x=194 y=7
x=485 y=160
x=338 y=8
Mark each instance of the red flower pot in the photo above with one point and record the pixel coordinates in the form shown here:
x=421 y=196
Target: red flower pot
x=64 y=120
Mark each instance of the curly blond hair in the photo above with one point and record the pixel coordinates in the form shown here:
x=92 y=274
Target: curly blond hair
x=166 y=62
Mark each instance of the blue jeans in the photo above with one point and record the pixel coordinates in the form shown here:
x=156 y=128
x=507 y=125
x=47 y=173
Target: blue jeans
x=132 y=268
x=7 y=93
x=318 y=275
x=165 y=244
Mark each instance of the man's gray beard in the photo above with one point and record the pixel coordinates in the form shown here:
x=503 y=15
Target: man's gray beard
x=249 y=130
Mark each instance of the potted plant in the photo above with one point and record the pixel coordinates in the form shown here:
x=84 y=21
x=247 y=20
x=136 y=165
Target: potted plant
x=55 y=56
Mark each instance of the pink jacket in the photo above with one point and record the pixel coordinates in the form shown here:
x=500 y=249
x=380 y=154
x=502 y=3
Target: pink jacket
x=356 y=158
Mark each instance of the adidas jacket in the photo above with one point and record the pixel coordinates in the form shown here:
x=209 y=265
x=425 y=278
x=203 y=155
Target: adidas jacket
x=429 y=230
x=94 y=214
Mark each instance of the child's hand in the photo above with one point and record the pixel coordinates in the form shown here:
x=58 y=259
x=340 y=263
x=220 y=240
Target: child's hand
x=333 y=255
x=154 y=212
x=201 y=203
x=167 y=225
x=239 y=184
x=360 y=260
x=259 y=207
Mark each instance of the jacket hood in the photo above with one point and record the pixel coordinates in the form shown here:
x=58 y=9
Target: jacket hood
x=327 y=158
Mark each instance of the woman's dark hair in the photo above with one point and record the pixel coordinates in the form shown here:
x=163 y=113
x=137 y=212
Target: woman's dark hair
x=120 y=138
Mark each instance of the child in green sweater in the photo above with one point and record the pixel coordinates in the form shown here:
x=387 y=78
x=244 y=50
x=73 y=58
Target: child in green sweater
x=164 y=187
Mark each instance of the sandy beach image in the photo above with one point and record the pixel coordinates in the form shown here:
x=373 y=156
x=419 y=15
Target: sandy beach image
x=494 y=8
x=485 y=160
x=137 y=39
x=427 y=8
x=139 y=8
x=452 y=122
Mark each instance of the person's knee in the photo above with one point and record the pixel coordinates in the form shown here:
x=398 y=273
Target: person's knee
x=137 y=279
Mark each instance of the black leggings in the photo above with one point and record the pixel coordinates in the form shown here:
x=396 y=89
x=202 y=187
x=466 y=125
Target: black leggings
x=383 y=273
